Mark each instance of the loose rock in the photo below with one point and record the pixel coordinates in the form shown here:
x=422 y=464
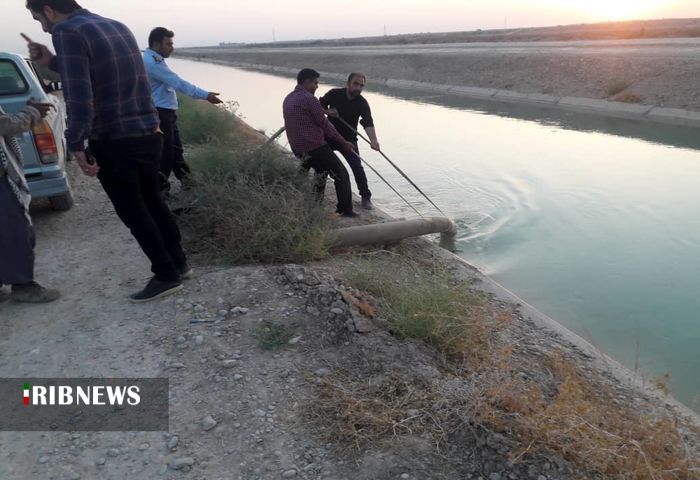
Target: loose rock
x=180 y=463
x=208 y=423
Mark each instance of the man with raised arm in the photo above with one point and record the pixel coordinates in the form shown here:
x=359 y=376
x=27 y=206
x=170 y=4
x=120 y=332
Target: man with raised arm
x=164 y=84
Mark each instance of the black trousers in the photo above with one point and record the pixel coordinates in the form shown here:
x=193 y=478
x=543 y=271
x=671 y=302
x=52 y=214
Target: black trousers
x=129 y=175
x=16 y=239
x=172 y=160
x=358 y=171
x=325 y=163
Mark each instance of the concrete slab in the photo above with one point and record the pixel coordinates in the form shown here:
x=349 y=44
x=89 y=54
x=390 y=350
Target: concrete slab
x=432 y=87
x=529 y=98
x=393 y=82
x=473 y=92
x=675 y=116
x=617 y=109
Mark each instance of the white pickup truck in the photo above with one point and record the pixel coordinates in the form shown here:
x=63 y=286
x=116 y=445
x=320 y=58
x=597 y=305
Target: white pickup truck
x=43 y=148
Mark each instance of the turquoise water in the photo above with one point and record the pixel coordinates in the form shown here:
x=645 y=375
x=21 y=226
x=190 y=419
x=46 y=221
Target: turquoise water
x=596 y=222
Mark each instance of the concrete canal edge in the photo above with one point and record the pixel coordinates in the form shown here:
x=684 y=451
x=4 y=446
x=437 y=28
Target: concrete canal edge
x=672 y=116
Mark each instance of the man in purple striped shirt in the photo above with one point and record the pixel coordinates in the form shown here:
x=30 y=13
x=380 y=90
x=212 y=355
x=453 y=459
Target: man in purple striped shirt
x=307 y=127
x=109 y=105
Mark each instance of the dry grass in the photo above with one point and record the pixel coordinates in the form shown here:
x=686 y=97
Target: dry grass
x=429 y=305
x=587 y=425
x=358 y=414
x=551 y=411
x=628 y=98
x=616 y=86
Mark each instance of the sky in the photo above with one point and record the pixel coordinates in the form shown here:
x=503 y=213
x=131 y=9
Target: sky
x=208 y=22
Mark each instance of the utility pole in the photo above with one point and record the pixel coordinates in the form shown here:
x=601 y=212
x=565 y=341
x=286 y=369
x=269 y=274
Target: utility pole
x=385 y=29
x=273 y=36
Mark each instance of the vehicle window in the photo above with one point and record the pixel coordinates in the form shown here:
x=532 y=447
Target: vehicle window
x=11 y=80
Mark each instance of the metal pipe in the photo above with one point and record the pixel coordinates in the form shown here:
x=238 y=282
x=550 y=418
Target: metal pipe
x=396 y=230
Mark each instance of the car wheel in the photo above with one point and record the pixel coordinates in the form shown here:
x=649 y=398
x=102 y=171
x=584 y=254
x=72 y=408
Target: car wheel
x=62 y=202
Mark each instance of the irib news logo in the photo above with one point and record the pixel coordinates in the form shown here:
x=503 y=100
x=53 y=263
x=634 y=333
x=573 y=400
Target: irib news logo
x=93 y=395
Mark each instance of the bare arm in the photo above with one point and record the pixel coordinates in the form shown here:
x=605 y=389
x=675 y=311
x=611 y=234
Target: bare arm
x=372 y=134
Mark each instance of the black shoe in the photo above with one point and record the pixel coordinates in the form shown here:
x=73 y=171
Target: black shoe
x=367 y=204
x=350 y=214
x=32 y=292
x=156 y=289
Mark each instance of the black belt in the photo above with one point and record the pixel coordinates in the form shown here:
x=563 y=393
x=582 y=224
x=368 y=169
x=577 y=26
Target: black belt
x=101 y=137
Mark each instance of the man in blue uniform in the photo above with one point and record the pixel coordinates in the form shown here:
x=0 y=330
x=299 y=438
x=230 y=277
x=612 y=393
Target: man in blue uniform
x=164 y=84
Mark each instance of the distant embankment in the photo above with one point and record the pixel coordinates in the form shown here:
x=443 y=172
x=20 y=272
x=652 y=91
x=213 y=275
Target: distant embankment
x=656 y=79
x=628 y=30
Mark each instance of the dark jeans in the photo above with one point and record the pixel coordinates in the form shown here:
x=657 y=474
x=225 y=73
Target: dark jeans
x=325 y=163
x=129 y=175
x=358 y=170
x=172 y=160
x=16 y=239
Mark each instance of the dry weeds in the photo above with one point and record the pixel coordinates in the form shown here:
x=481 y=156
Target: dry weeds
x=588 y=425
x=358 y=414
x=554 y=410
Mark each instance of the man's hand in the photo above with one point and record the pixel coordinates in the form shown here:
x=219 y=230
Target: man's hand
x=42 y=107
x=213 y=98
x=374 y=145
x=349 y=147
x=87 y=164
x=332 y=112
x=39 y=53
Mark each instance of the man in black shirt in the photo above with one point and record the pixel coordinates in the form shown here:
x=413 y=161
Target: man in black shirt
x=349 y=104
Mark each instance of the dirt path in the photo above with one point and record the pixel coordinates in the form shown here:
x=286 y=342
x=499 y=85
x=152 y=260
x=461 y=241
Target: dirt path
x=214 y=369
x=204 y=340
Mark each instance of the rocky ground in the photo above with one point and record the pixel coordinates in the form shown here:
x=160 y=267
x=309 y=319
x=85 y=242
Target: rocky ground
x=262 y=362
x=659 y=72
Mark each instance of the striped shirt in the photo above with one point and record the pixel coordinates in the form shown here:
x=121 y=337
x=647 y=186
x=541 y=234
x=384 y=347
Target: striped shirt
x=105 y=85
x=305 y=122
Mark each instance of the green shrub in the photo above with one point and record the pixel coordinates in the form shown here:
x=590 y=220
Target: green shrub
x=250 y=207
x=272 y=336
x=429 y=305
x=246 y=204
x=199 y=122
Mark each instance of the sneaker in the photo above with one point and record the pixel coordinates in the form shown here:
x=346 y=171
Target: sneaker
x=350 y=214
x=156 y=289
x=185 y=272
x=32 y=292
x=367 y=204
